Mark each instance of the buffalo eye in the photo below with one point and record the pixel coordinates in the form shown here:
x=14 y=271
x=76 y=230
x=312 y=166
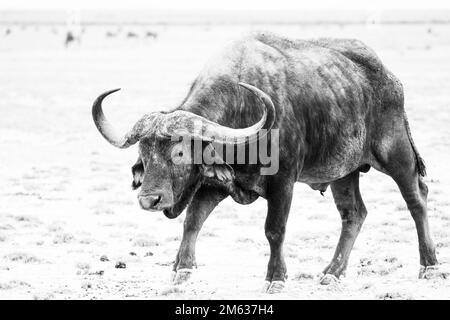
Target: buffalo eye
x=138 y=174
x=177 y=154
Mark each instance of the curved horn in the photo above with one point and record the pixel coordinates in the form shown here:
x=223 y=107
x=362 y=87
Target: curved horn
x=198 y=127
x=269 y=110
x=106 y=129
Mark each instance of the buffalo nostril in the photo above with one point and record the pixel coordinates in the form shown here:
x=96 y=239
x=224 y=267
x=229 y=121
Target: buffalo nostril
x=150 y=201
x=156 y=200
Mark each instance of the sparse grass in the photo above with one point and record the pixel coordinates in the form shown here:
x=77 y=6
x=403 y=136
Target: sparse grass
x=303 y=276
x=83 y=268
x=87 y=240
x=442 y=244
x=103 y=211
x=22 y=257
x=401 y=207
x=63 y=238
x=100 y=188
x=6 y=227
x=208 y=234
x=327 y=246
x=164 y=263
x=305 y=258
x=378 y=267
x=245 y=240
x=55 y=227
x=44 y=296
x=318 y=216
x=24 y=218
x=445 y=217
x=86 y=285
x=145 y=242
x=13 y=284
x=59 y=188
x=171 y=290
x=127 y=224
x=178 y=238
x=393 y=296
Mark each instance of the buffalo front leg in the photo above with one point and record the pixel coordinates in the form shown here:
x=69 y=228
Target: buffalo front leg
x=353 y=212
x=203 y=203
x=279 y=203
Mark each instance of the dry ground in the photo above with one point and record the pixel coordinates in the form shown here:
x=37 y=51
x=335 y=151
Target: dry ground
x=65 y=197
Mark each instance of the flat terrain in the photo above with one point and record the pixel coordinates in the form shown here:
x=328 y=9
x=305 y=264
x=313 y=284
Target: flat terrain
x=65 y=196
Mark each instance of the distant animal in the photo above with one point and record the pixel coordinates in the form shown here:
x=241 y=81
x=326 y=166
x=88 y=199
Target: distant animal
x=151 y=34
x=131 y=34
x=71 y=37
x=7 y=31
x=336 y=111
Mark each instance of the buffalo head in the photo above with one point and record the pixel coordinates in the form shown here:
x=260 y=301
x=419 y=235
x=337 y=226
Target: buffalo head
x=166 y=182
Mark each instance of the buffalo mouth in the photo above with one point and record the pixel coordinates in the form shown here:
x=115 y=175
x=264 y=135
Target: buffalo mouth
x=170 y=213
x=178 y=208
x=183 y=202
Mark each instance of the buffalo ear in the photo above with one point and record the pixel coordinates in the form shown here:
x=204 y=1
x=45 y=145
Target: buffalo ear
x=222 y=172
x=138 y=174
x=219 y=169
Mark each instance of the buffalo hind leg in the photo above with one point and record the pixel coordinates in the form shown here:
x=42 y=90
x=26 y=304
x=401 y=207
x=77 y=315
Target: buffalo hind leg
x=401 y=162
x=414 y=192
x=278 y=202
x=203 y=203
x=353 y=212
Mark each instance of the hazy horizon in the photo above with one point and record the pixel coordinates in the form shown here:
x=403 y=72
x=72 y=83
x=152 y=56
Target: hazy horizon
x=211 y=17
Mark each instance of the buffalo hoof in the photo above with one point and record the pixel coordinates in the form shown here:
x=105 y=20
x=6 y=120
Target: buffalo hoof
x=432 y=272
x=273 y=287
x=181 y=276
x=328 y=279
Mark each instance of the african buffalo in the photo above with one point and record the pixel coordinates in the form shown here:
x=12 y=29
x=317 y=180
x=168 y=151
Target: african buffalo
x=338 y=111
